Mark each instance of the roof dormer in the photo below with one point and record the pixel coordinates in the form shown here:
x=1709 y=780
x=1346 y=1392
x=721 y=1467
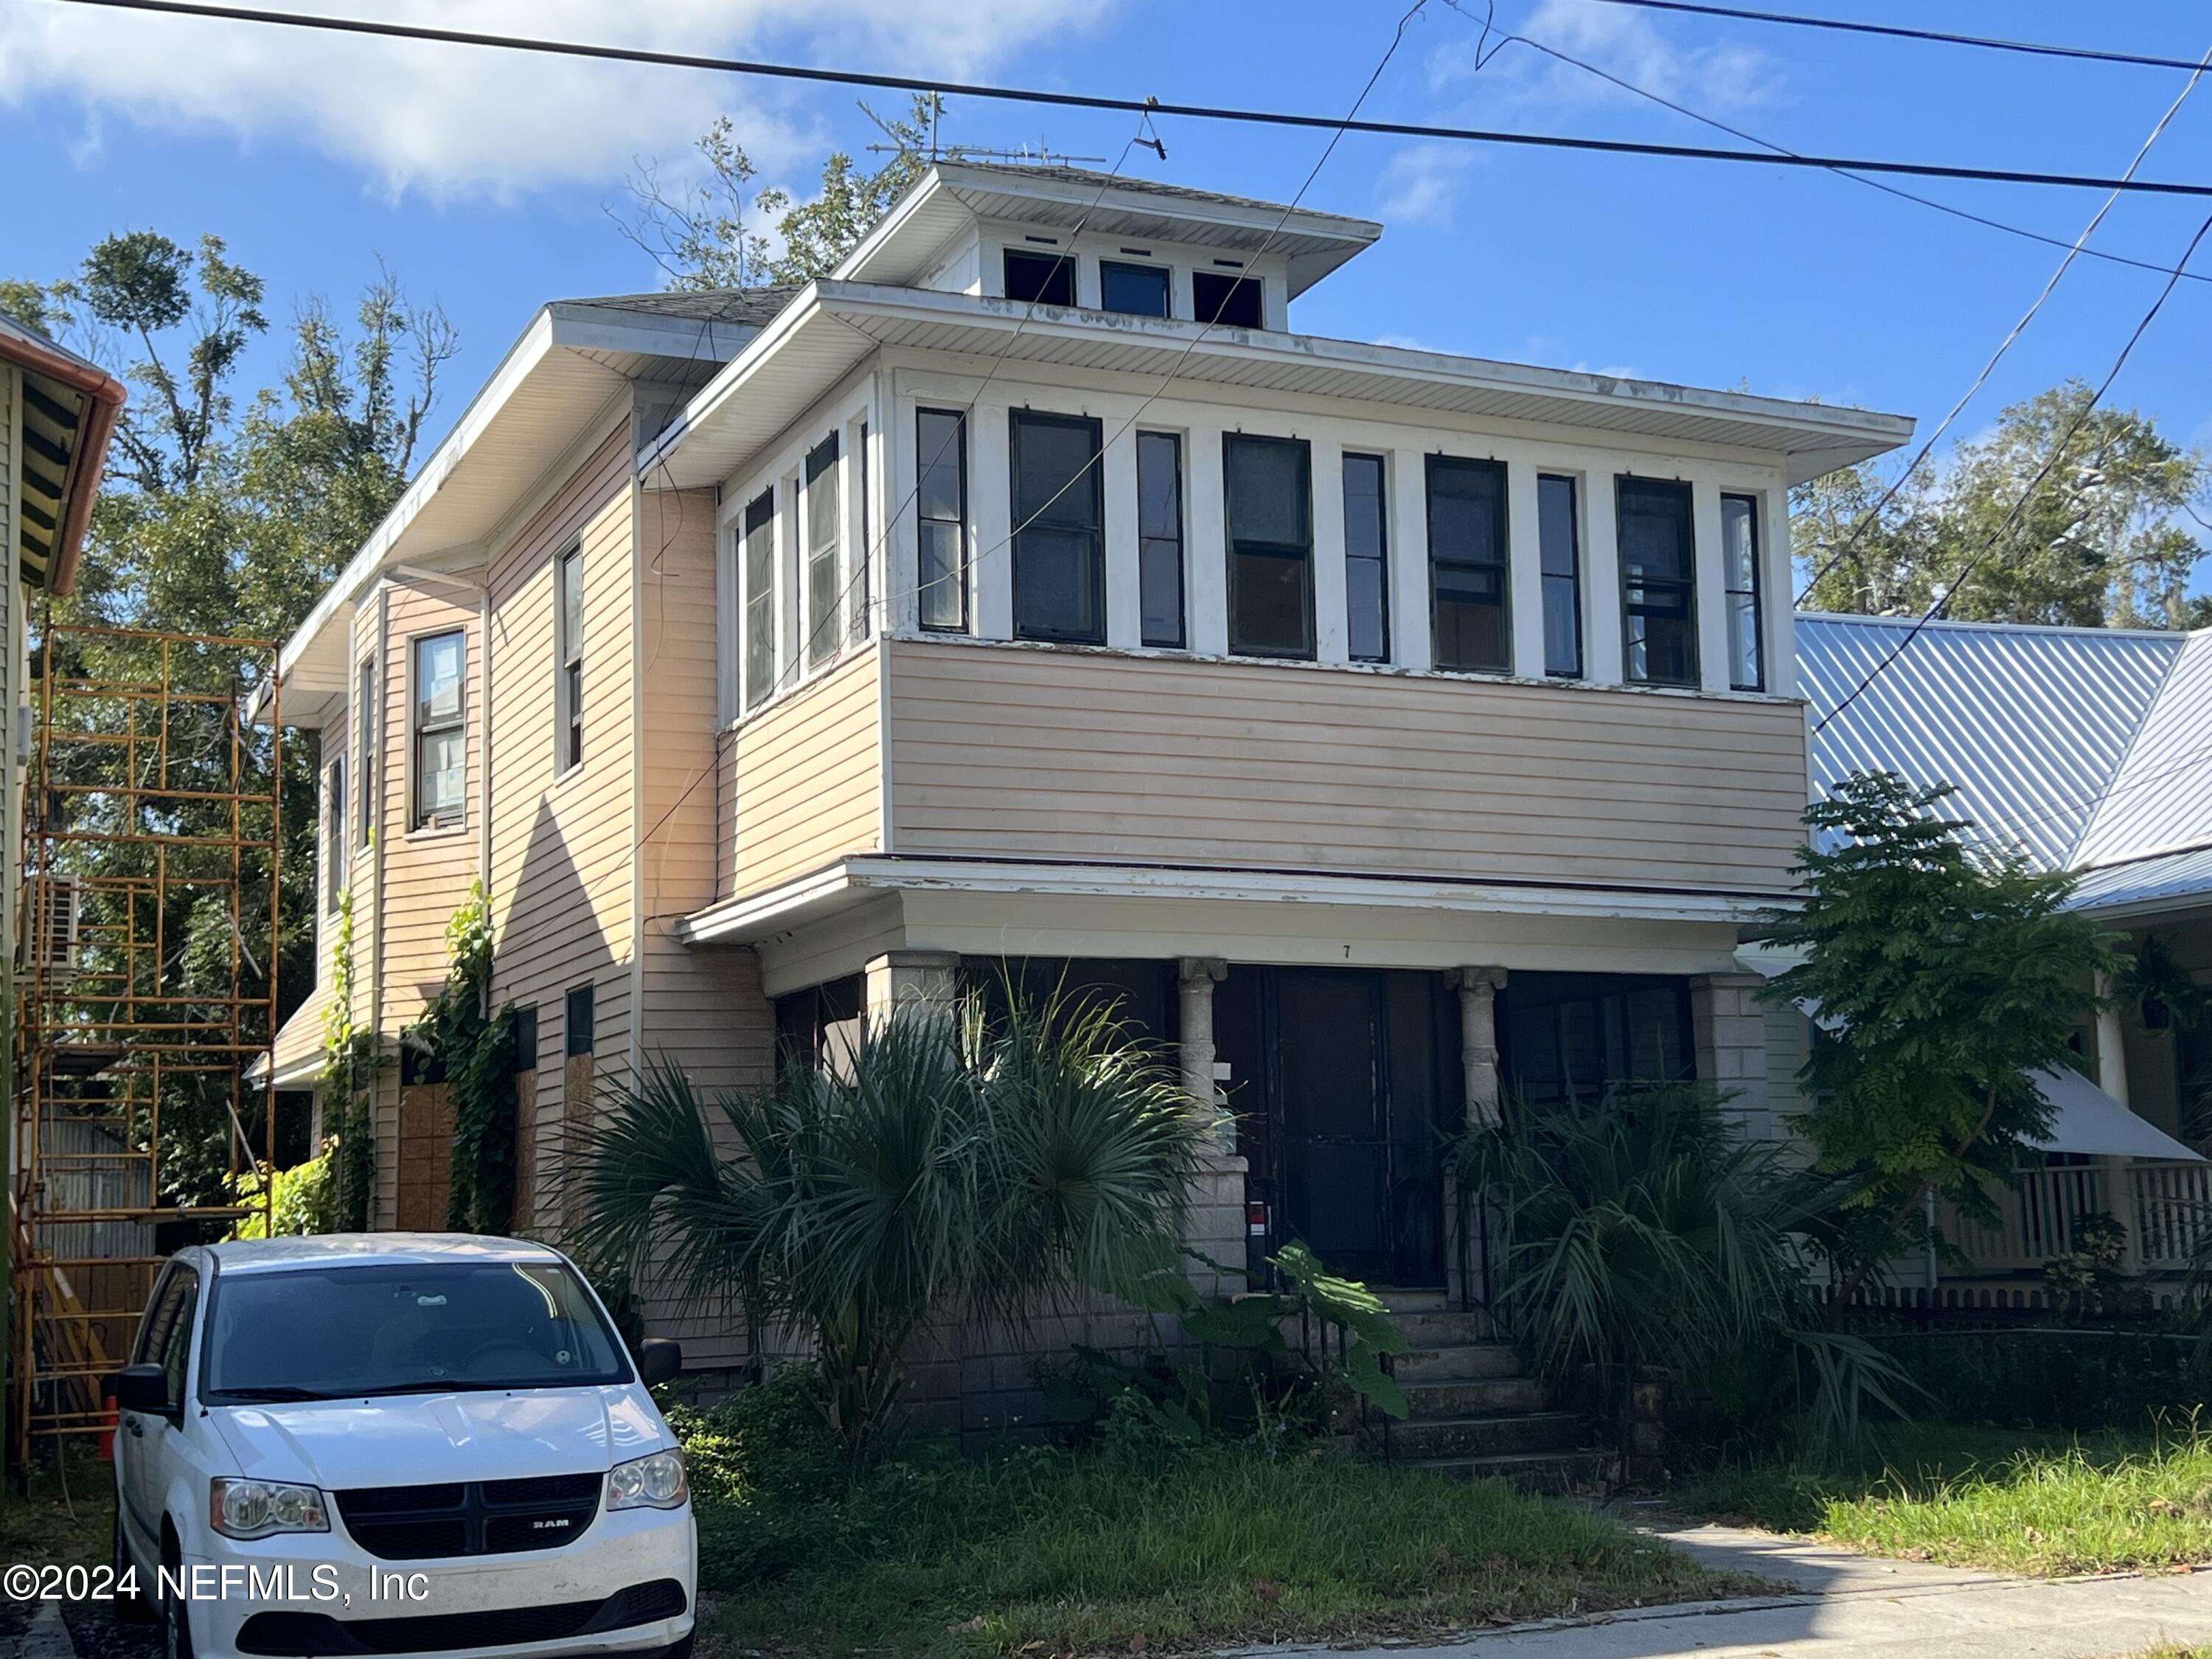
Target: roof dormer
x=1065 y=237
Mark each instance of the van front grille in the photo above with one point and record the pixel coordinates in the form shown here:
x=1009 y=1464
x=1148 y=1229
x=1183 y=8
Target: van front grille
x=477 y=1517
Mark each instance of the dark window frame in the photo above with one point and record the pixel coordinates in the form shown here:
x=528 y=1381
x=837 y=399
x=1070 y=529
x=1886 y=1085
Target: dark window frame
x=958 y=575
x=1136 y=267
x=371 y=721
x=1238 y=548
x=1148 y=541
x=823 y=461
x=758 y=669
x=1056 y=269
x=335 y=849
x=863 y=554
x=1432 y=465
x=1573 y=576
x=1380 y=559
x=1686 y=586
x=579 y=1020
x=569 y=671
x=421 y=815
x=1755 y=594
x=1091 y=483
x=1228 y=310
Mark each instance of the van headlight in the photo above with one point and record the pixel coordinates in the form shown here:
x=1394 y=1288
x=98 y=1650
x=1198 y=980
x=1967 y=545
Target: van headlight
x=260 y=1509
x=648 y=1483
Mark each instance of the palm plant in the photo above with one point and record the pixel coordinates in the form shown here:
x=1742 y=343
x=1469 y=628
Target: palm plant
x=956 y=1168
x=1641 y=1234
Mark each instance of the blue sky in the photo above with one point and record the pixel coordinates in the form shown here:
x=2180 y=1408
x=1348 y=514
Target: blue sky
x=483 y=180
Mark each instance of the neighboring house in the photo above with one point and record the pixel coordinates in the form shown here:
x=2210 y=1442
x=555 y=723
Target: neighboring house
x=1376 y=723
x=2092 y=749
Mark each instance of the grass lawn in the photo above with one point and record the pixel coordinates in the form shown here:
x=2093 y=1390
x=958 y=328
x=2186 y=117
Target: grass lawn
x=46 y=1524
x=2032 y=1505
x=1059 y=1552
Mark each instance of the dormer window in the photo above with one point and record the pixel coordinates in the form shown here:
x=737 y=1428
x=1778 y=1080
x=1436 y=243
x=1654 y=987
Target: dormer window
x=1225 y=300
x=1133 y=290
x=1045 y=279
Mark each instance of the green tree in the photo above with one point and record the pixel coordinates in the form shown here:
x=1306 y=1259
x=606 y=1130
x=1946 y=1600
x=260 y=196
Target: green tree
x=2109 y=538
x=1943 y=973
x=225 y=512
x=707 y=235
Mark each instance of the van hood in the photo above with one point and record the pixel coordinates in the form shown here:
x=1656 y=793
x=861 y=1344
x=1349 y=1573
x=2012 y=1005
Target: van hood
x=420 y=1439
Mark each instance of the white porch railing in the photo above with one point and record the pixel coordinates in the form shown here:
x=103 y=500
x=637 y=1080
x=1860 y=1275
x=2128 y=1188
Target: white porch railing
x=2166 y=1208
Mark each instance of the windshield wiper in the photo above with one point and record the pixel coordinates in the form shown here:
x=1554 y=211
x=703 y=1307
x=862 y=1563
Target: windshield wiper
x=460 y=1385
x=270 y=1391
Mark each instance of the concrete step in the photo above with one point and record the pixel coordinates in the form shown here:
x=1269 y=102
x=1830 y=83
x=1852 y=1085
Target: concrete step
x=1443 y=1327
x=1550 y=1471
x=1474 y=1396
x=1495 y=1435
x=1439 y=1363
x=1413 y=1302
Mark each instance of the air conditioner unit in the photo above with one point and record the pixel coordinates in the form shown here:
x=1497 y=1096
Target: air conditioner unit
x=52 y=921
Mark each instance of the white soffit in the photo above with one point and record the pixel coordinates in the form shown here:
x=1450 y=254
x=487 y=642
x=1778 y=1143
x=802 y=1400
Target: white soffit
x=825 y=333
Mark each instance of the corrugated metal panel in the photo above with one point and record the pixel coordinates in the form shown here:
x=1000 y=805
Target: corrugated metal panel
x=2162 y=798
x=2147 y=881
x=2032 y=724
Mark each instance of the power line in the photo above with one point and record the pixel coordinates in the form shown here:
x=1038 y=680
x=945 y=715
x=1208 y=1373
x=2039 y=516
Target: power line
x=1926 y=448
x=1139 y=106
x=1899 y=31
x=2020 y=504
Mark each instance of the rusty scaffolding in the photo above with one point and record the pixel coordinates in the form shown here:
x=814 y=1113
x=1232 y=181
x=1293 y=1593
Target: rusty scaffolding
x=149 y=944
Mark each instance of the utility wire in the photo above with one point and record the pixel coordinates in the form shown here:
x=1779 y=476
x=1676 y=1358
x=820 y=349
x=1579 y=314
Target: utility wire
x=1898 y=32
x=1872 y=513
x=2020 y=504
x=1137 y=106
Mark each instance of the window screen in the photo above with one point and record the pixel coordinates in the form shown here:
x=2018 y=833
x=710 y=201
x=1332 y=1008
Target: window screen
x=1467 y=564
x=1159 y=536
x=1560 y=536
x=1134 y=290
x=941 y=501
x=1658 y=583
x=822 y=594
x=759 y=581
x=1740 y=563
x=1269 y=481
x=1366 y=561
x=1060 y=573
x=1047 y=279
x=1227 y=301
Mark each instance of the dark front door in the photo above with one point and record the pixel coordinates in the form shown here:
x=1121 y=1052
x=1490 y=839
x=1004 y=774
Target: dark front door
x=1343 y=1084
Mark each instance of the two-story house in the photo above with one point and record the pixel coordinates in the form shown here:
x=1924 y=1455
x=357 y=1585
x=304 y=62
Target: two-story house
x=1384 y=727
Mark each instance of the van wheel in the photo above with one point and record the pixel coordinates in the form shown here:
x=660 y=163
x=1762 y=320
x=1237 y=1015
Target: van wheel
x=130 y=1609
x=176 y=1632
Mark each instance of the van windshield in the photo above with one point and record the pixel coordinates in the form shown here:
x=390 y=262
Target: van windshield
x=347 y=1331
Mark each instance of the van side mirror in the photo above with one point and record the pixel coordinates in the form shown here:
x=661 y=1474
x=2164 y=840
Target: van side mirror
x=658 y=1360
x=143 y=1389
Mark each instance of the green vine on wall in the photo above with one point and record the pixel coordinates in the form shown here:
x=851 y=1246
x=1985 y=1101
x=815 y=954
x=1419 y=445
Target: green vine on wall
x=349 y=1067
x=475 y=1048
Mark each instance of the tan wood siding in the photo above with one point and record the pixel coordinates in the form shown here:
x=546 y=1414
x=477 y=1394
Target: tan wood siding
x=560 y=865
x=803 y=781
x=1017 y=752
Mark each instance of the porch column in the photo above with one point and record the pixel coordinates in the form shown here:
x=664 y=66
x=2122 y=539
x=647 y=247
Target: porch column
x=1730 y=1028
x=2118 y=1174
x=1478 y=990
x=1196 y=976
x=1217 y=1226
x=2112 y=1044
x=898 y=978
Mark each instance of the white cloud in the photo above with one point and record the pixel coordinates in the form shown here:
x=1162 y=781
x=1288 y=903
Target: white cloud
x=467 y=120
x=1721 y=79
x=1419 y=184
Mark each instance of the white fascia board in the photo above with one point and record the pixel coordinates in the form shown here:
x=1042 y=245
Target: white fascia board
x=362 y=570
x=803 y=308
x=763 y=914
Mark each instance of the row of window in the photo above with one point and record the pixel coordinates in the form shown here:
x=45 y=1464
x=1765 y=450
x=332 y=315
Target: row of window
x=1059 y=562
x=1134 y=287
x=835 y=611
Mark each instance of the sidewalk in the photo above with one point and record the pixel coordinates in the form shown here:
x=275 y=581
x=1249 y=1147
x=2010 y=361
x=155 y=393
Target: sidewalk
x=1855 y=1607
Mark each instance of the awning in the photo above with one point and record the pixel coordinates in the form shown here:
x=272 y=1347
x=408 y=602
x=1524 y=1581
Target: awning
x=2090 y=1122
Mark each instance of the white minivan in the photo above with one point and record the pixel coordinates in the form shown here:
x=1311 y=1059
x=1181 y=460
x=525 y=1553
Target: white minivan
x=398 y=1443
